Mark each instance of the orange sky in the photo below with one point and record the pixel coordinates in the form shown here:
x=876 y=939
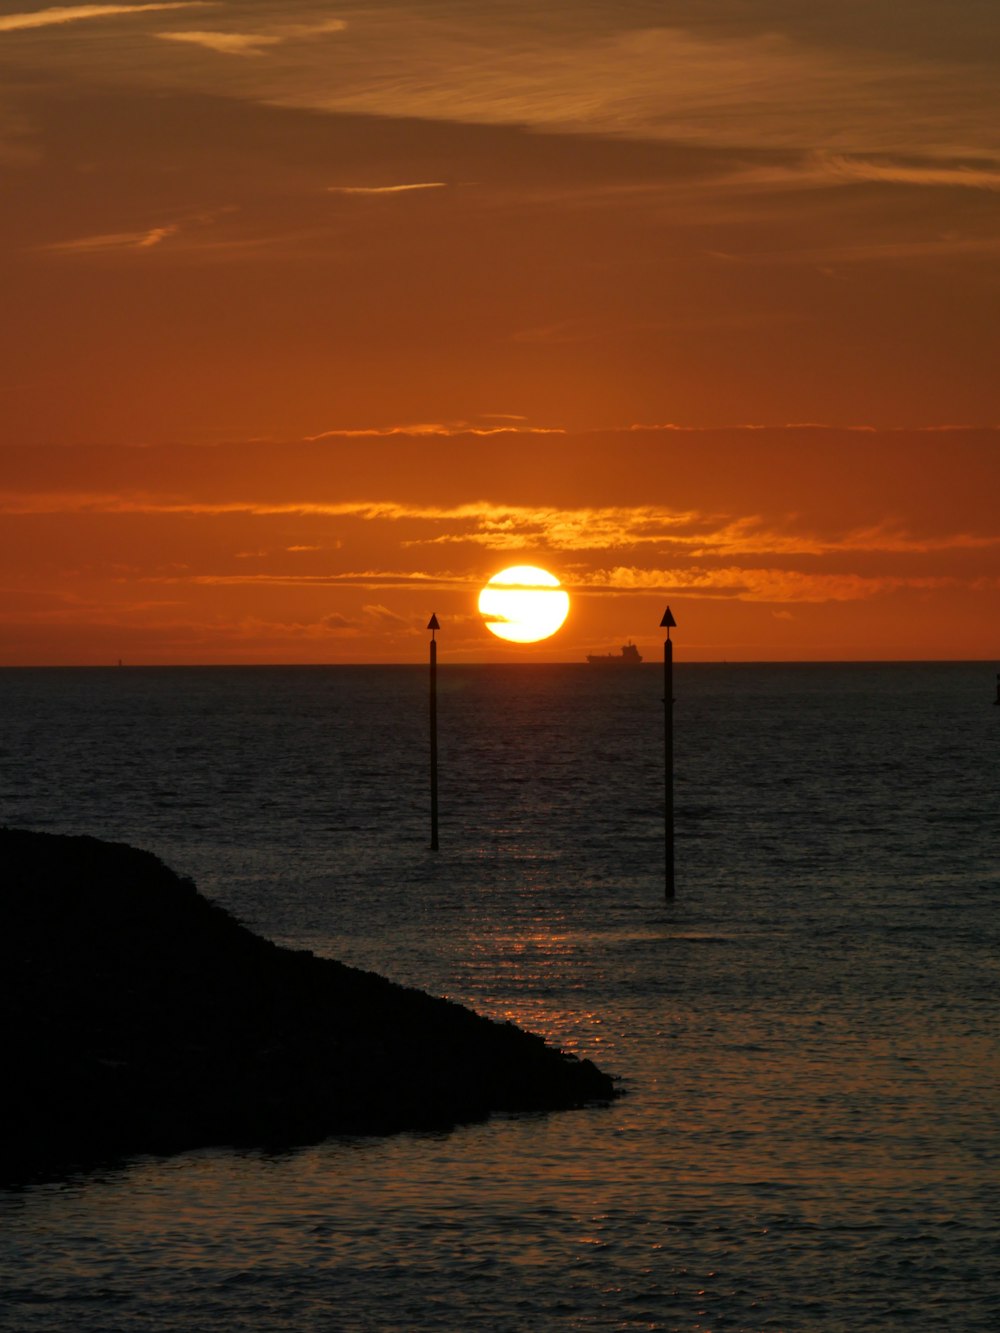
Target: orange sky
x=274 y=276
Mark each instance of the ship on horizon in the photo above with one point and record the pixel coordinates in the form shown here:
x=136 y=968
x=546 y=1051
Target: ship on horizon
x=629 y=656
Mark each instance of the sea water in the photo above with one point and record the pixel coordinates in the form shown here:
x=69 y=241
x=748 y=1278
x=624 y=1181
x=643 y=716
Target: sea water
x=806 y=1038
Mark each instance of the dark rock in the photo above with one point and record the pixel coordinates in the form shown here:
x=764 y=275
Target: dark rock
x=140 y=1017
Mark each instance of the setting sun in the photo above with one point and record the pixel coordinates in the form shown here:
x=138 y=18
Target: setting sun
x=523 y=604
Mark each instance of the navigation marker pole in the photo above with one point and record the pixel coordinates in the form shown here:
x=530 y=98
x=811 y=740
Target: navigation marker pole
x=668 y=756
x=433 y=626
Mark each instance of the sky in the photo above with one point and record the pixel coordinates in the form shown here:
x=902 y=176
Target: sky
x=315 y=316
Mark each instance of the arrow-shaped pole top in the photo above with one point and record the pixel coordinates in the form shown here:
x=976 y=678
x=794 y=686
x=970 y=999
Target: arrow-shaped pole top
x=668 y=621
x=432 y=624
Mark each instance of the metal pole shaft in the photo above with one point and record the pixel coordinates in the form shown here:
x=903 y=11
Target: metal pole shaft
x=434 y=748
x=668 y=768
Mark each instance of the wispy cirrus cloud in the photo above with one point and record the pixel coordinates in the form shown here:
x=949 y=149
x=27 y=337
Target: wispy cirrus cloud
x=384 y=616
x=117 y=240
x=225 y=43
x=954 y=245
x=44 y=18
x=763 y=585
x=145 y=238
x=983 y=176
x=386 y=189
x=230 y=42
x=443 y=428
x=370 y=579
x=820 y=170
x=766 y=585
x=766 y=90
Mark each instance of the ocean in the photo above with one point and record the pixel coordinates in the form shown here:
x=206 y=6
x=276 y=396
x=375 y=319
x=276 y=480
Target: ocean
x=806 y=1037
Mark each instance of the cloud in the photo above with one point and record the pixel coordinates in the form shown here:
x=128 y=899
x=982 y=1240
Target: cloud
x=382 y=616
x=842 y=167
x=253 y=43
x=445 y=428
x=119 y=240
x=146 y=239
x=759 y=585
x=947 y=245
x=499 y=527
x=385 y=189
x=372 y=580
x=762 y=585
x=43 y=18
x=225 y=43
x=581 y=72
x=822 y=170
x=765 y=91
x=290 y=30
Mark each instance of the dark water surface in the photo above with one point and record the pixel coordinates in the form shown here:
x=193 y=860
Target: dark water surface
x=808 y=1036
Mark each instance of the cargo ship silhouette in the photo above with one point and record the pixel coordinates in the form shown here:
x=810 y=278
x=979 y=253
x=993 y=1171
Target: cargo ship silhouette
x=629 y=656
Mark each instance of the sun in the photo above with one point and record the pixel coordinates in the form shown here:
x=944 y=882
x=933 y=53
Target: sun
x=523 y=604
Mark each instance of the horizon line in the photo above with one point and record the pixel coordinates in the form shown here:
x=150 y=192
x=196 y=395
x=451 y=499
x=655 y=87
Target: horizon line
x=650 y=662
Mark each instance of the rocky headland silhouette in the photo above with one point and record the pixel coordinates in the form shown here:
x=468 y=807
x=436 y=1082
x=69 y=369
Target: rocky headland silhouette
x=142 y=1018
